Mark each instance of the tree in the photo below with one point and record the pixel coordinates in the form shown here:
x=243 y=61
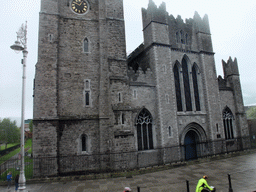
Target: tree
x=251 y=113
x=10 y=133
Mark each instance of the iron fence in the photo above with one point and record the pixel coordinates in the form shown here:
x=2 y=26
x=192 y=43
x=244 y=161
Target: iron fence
x=120 y=161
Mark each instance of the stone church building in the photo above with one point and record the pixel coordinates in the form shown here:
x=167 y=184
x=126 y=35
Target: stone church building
x=95 y=108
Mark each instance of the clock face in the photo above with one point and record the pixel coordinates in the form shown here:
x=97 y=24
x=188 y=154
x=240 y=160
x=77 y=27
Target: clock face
x=79 y=6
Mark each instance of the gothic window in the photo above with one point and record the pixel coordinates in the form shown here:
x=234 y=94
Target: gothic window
x=84 y=142
x=195 y=85
x=86 y=45
x=186 y=39
x=87 y=92
x=228 y=123
x=144 y=130
x=177 y=87
x=186 y=85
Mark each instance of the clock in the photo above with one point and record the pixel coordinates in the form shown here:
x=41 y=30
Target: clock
x=79 y=6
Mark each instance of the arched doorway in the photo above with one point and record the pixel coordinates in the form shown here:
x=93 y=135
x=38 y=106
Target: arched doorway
x=190 y=144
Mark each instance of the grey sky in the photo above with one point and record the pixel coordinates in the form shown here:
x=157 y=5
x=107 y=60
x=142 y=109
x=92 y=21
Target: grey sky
x=232 y=25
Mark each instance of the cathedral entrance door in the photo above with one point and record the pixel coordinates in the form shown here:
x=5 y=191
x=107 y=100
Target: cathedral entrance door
x=190 y=145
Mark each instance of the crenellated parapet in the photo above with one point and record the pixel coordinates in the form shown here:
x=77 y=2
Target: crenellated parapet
x=230 y=67
x=140 y=76
x=201 y=24
x=161 y=28
x=154 y=13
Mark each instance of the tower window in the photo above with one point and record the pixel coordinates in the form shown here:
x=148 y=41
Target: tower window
x=87 y=98
x=86 y=45
x=87 y=84
x=120 y=97
x=167 y=99
x=87 y=92
x=122 y=118
x=84 y=143
x=164 y=68
x=135 y=94
x=169 y=131
x=50 y=38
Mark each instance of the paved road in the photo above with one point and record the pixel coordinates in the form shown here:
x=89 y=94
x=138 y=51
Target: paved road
x=241 y=168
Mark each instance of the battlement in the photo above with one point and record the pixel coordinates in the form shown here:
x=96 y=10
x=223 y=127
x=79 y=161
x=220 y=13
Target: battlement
x=140 y=76
x=201 y=24
x=154 y=14
x=160 y=15
x=230 y=67
x=189 y=34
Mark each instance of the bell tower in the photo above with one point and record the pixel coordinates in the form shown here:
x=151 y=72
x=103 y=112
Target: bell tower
x=80 y=70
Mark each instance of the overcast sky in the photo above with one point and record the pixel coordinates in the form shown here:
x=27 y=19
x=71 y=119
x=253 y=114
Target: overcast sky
x=232 y=25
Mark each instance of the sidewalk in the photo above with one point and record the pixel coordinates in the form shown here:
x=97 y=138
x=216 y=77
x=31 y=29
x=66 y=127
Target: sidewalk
x=241 y=168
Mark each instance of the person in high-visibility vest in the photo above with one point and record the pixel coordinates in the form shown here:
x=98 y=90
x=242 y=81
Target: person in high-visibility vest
x=202 y=184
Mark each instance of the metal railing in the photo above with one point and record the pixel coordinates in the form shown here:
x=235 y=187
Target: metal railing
x=120 y=161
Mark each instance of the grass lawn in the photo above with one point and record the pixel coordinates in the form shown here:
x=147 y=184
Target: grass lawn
x=2 y=147
x=28 y=163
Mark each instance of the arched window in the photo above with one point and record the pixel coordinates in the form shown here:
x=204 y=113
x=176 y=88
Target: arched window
x=186 y=85
x=195 y=85
x=228 y=123
x=86 y=45
x=144 y=130
x=84 y=142
x=186 y=39
x=177 y=87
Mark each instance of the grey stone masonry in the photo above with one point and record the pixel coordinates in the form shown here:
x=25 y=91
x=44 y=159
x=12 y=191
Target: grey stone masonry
x=96 y=109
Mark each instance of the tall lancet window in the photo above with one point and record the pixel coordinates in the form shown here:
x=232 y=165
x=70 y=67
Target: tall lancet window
x=144 y=130
x=84 y=142
x=176 y=71
x=87 y=92
x=195 y=85
x=228 y=123
x=86 y=45
x=186 y=85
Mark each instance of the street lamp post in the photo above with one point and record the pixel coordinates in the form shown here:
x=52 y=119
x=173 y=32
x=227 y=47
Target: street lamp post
x=21 y=45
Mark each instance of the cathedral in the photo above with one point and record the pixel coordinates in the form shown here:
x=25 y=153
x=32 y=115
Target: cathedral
x=96 y=108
